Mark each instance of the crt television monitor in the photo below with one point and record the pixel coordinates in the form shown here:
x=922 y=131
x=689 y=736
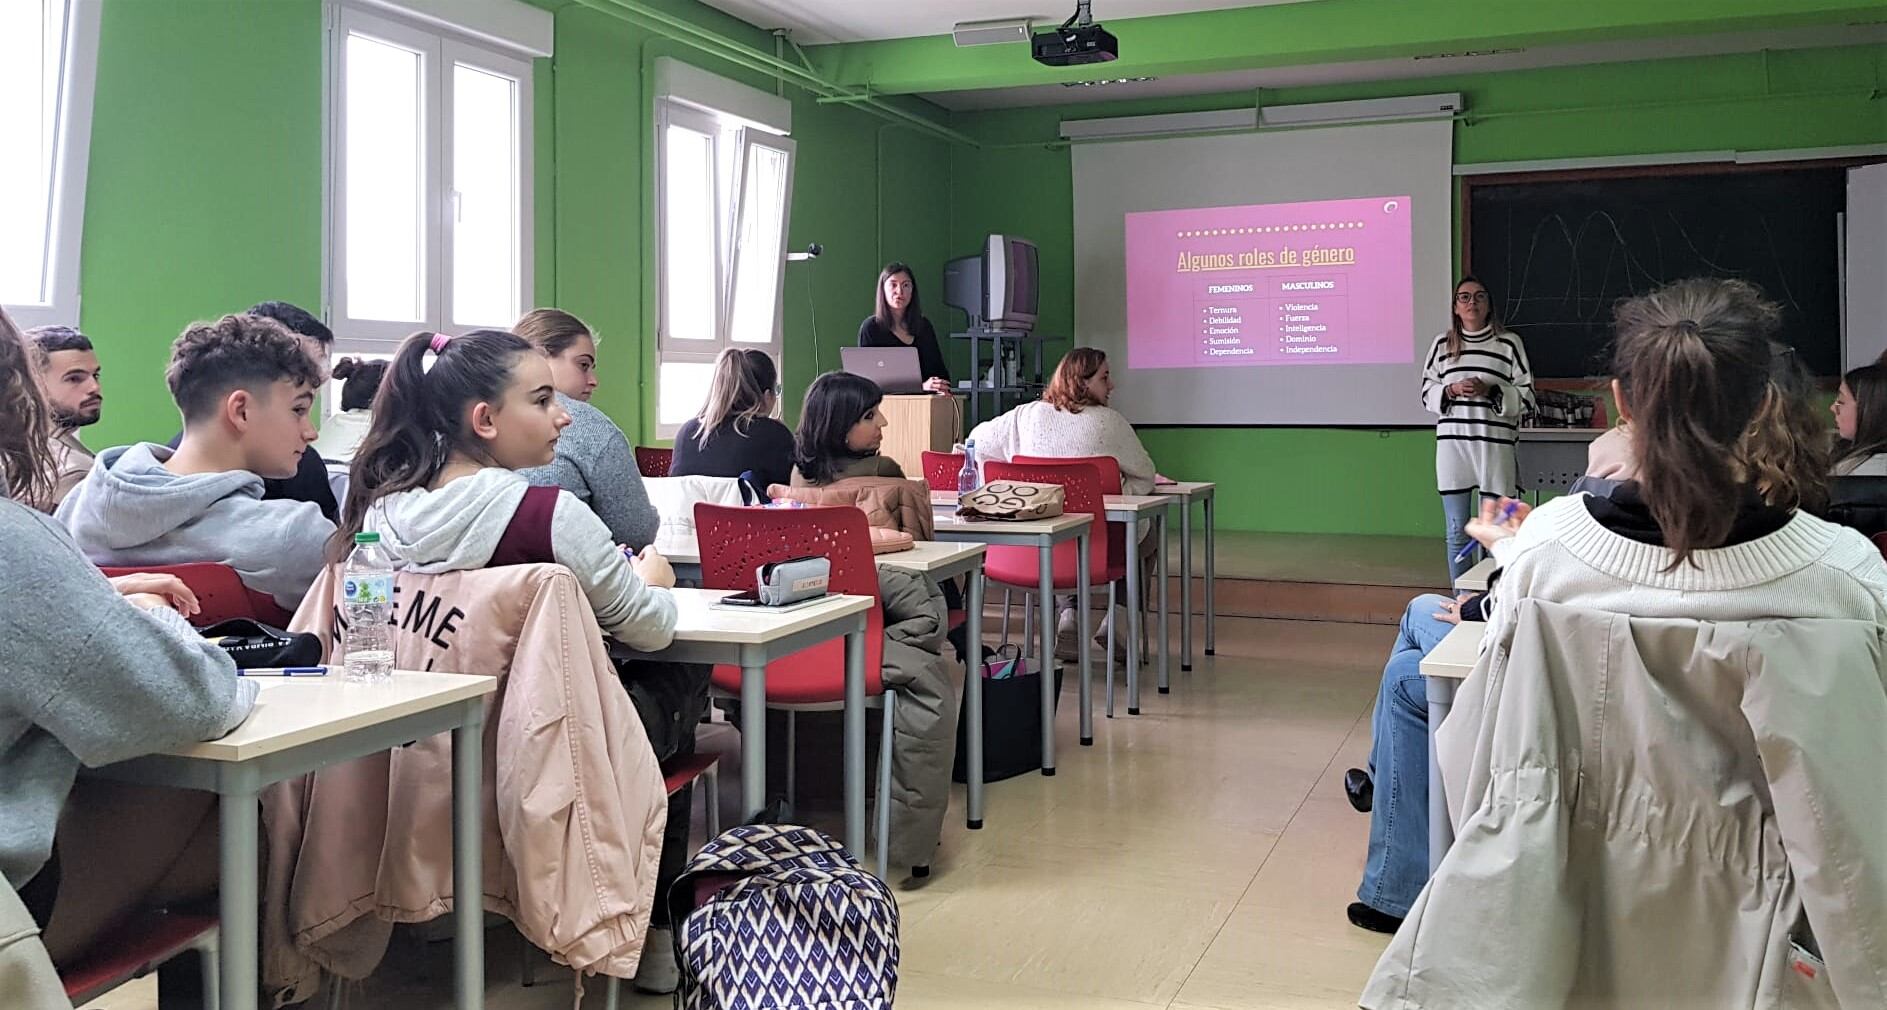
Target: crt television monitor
x=1011 y=288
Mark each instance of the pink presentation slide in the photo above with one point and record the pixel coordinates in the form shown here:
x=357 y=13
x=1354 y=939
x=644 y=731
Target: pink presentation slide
x=1329 y=283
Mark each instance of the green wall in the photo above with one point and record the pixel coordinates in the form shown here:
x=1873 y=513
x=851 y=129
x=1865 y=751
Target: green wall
x=1338 y=480
x=204 y=188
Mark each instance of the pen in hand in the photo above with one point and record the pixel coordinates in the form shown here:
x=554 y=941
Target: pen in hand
x=1506 y=512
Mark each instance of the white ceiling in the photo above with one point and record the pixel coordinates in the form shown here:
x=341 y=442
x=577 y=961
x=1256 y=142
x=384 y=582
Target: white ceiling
x=1410 y=68
x=821 y=21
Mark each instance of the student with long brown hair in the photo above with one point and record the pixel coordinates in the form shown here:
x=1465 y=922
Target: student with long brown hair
x=736 y=431
x=93 y=673
x=594 y=461
x=1477 y=382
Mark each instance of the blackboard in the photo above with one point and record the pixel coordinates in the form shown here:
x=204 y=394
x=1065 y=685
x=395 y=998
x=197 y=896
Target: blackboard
x=1558 y=252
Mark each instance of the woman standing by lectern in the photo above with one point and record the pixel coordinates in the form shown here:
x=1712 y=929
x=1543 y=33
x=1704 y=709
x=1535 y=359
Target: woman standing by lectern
x=899 y=322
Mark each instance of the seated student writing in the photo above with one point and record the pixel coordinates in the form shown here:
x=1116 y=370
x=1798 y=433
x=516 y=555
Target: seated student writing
x=245 y=386
x=93 y=673
x=840 y=432
x=437 y=477
x=736 y=431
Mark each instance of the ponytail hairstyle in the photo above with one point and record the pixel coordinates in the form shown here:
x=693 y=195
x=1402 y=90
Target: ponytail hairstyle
x=834 y=403
x=419 y=416
x=1693 y=359
x=1785 y=450
x=25 y=422
x=361 y=380
x=1869 y=386
x=743 y=379
x=1455 y=333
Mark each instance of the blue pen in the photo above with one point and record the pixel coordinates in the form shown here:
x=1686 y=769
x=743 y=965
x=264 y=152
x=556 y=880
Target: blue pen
x=284 y=671
x=1506 y=512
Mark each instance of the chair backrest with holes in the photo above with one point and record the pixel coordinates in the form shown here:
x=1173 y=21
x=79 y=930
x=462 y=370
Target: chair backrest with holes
x=941 y=470
x=1081 y=488
x=654 y=461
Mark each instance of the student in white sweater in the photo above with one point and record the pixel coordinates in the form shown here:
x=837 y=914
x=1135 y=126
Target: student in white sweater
x=1692 y=536
x=1476 y=380
x=1071 y=419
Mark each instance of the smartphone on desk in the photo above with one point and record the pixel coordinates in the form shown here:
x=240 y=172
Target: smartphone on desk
x=750 y=598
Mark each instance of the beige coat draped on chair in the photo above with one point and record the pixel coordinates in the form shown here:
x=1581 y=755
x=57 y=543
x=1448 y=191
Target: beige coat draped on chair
x=1658 y=813
x=573 y=796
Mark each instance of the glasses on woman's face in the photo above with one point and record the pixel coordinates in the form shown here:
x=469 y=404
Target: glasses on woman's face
x=1470 y=297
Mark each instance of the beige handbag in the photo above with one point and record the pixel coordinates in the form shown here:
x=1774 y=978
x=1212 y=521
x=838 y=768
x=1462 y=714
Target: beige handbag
x=1013 y=500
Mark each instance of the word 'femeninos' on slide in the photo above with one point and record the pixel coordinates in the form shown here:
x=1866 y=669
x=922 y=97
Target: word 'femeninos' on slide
x=1327 y=282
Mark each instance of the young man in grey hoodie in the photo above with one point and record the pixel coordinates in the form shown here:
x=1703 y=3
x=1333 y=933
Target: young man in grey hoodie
x=245 y=385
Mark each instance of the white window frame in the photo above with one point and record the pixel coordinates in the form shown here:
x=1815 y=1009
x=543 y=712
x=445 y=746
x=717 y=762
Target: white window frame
x=59 y=300
x=441 y=48
x=737 y=117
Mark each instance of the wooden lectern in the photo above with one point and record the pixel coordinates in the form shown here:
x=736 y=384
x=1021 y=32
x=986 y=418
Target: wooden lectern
x=919 y=424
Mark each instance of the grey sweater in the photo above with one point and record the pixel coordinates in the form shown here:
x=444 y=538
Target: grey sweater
x=87 y=678
x=595 y=463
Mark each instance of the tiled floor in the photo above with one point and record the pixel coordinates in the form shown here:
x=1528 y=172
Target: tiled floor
x=1198 y=857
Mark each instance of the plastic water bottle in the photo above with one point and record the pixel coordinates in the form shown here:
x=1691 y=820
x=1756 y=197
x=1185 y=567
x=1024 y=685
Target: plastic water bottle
x=966 y=477
x=367 y=601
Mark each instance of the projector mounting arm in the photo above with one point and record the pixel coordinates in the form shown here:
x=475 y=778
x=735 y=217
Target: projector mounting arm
x=1082 y=17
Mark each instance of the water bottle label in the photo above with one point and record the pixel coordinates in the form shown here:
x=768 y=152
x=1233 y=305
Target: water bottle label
x=366 y=590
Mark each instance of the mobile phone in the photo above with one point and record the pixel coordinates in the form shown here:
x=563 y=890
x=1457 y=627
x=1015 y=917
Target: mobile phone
x=750 y=598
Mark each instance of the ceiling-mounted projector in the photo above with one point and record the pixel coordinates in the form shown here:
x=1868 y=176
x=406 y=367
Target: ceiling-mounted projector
x=1077 y=42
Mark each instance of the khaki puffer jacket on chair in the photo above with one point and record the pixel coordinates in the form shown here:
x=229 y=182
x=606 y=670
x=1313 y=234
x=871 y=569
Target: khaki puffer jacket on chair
x=889 y=503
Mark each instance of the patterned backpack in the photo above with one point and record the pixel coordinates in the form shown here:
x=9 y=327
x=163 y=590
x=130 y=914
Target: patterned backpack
x=778 y=917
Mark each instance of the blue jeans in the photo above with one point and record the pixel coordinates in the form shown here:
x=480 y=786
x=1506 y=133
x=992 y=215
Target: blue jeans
x=1398 y=762
x=1457 y=509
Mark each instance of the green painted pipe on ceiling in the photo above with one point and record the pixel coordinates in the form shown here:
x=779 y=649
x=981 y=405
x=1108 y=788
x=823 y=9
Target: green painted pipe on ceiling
x=753 y=59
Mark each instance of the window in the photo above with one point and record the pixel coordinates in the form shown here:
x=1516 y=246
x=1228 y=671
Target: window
x=726 y=191
x=430 y=223
x=48 y=56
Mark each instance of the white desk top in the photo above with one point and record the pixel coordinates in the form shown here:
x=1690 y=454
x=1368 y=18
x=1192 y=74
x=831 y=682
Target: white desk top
x=1034 y=527
x=698 y=621
x=293 y=711
x=1122 y=504
x=1454 y=657
x=1475 y=579
x=923 y=557
x=1185 y=488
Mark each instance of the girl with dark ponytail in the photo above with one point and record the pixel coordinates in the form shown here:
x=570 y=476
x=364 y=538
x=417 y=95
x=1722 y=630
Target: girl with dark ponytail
x=453 y=420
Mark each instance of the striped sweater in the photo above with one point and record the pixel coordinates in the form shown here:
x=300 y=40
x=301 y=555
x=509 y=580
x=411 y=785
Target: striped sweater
x=1474 y=438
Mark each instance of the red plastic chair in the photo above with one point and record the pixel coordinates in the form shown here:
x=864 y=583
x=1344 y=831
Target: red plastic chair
x=1116 y=532
x=654 y=461
x=941 y=470
x=1017 y=567
x=737 y=541
x=677 y=774
x=137 y=949
x=220 y=593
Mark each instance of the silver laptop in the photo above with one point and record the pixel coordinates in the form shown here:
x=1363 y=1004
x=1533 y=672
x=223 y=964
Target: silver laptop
x=894 y=369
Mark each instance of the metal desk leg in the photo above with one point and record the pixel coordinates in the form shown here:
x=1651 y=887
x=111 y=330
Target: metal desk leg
x=753 y=741
x=1441 y=830
x=468 y=876
x=973 y=695
x=1133 y=616
x=240 y=903
x=855 y=741
x=1166 y=648
x=1185 y=584
x=1045 y=555
x=1082 y=588
x=1212 y=610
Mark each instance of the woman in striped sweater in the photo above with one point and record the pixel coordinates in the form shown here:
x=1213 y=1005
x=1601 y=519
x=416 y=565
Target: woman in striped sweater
x=1476 y=379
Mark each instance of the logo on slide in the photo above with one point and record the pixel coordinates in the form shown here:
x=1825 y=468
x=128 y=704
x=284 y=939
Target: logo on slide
x=1391 y=206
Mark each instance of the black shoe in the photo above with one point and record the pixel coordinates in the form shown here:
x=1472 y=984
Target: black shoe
x=1361 y=791
x=1364 y=917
